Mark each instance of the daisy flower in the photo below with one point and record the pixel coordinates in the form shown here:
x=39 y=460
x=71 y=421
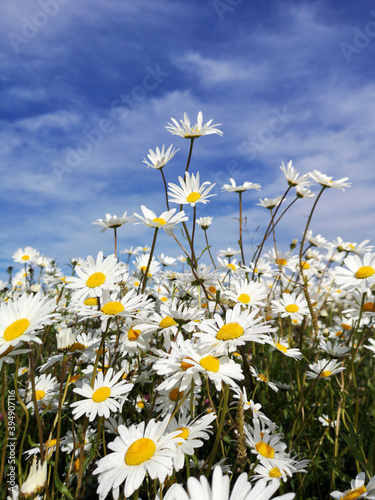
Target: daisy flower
x=249 y=294
x=326 y=421
x=113 y=306
x=239 y=327
x=270 y=203
x=190 y=190
x=158 y=159
x=187 y=361
x=292 y=176
x=46 y=389
x=35 y=481
x=192 y=132
x=358 y=489
x=204 y=222
x=228 y=252
x=192 y=432
x=25 y=255
x=220 y=489
x=141 y=264
x=324 y=369
x=167 y=220
x=303 y=192
x=291 y=306
x=359 y=275
x=102 y=398
x=233 y=188
x=283 y=346
x=336 y=349
x=265 y=445
x=371 y=347
x=317 y=240
x=95 y=276
x=260 y=377
x=326 y=181
x=20 y=319
x=248 y=404
x=112 y=221
x=138 y=450
x=168 y=400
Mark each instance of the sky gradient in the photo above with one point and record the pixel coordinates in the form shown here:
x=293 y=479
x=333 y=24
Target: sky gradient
x=88 y=88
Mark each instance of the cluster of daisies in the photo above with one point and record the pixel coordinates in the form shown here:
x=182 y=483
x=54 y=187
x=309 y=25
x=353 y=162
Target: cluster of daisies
x=151 y=375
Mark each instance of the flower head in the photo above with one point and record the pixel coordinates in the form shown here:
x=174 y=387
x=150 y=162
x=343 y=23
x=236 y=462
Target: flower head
x=192 y=132
x=190 y=190
x=158 y=159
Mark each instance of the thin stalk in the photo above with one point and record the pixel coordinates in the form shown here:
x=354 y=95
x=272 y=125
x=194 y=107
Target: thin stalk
x=190 y=151
x=224 y=407
x=115 y=231
x=165 y=187
x=240 y=240
x=149 y=260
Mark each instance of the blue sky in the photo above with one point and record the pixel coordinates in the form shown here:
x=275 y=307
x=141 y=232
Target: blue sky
x=88 y=86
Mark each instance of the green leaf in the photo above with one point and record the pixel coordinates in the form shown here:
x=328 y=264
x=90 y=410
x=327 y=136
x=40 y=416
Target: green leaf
x=62 y=488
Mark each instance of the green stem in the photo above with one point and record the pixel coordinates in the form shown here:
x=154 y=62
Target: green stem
x=224 y=407
x=149 y=260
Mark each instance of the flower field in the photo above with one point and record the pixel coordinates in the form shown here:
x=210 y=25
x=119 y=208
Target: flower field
x=192 y=375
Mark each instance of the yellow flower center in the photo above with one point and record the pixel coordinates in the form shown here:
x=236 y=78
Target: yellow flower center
x=263 y=378
x=292 y=308
x=184 y=432
x=244 y=298
x=281 y=262
x=167 y=322
x=345 y=326
x=76 y=466
x=159 y=221
x=305 y=265
x=210 y=364
x=16 y=329
x=91 y=301
x=95 y=280
x=143 y=270
x=353 y=494
x=50 y=443
x=74 y=378
x=185 y=366
x=212 y=289
x=369 y=307
x=364 y=272
x=193 y=197
x=133 y=334
x=112 y=308
x=77 y=346
x=39 y=394
x=25 y=257
x=326 y=373
x=140 y=404
x=101 y=394
x=140 y=451
x=164 y=299
x=281 y=348
x=175 y=394
x=275 y=472
x=229 y=331
x=231 y=266
x=265 y=449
